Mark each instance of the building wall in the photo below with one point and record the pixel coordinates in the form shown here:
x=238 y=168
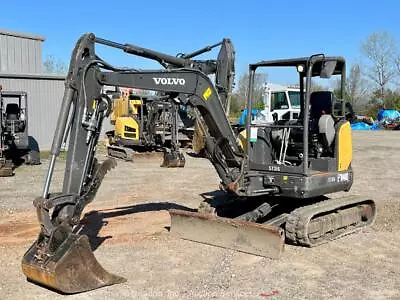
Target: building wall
x=20 y=53
x=44 y=100
x=45 y=94
x=21 y=70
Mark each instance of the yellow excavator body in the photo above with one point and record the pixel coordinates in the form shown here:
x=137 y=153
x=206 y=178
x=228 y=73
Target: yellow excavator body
x=127 y=128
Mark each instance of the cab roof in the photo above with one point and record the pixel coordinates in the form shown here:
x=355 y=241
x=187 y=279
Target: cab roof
x=294 y=62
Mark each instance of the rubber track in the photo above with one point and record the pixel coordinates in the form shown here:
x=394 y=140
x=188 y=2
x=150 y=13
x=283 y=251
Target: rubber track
x=123 y=153
x=298 y=220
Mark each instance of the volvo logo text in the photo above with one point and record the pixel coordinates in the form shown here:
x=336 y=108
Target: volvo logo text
x=169 y=81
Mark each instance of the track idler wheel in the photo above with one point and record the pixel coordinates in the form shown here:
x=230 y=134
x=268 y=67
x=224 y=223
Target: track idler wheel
x=173 y=159
x=71 y=268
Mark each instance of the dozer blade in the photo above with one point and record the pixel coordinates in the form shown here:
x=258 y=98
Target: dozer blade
x=72 y=268
x=253 y=238
x=173 y=159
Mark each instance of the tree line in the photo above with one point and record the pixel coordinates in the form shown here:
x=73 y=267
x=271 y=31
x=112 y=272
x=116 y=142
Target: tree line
x=373 y=82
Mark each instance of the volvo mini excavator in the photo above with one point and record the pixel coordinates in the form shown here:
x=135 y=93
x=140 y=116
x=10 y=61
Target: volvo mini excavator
x=283 y=164
x=152 y=118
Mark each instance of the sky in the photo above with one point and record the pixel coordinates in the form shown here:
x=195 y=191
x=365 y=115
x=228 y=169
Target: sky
x=259 y=30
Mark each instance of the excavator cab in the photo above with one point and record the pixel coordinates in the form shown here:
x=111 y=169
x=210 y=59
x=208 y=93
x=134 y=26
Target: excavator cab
x=306 y=159
x=288 y=170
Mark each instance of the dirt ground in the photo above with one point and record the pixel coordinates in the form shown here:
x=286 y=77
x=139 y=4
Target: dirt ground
x=128 y=220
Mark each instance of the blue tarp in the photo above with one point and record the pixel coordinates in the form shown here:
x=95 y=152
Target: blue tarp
x=243 y=116
x=364 y=126
x=388 y=115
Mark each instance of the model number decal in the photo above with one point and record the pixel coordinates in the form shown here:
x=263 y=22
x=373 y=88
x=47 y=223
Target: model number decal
x=207 y=93
x=331 y=179
x=274 y=168
x=343 y=177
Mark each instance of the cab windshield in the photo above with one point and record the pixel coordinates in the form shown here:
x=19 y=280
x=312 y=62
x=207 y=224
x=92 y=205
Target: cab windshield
x=294 y=99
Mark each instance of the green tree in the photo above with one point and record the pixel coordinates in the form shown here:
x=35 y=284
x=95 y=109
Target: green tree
x=259 y=105
x=242 y=92
x=391 y=101
x=235 y=106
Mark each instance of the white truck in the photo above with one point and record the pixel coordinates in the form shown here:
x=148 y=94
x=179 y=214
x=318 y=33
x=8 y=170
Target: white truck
x=284 y=101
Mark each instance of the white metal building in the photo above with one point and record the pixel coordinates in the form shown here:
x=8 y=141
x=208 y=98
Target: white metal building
x=21 y=70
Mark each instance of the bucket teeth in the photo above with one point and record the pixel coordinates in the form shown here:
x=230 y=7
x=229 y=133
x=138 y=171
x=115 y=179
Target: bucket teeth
x=173 y=159
x=72 y=268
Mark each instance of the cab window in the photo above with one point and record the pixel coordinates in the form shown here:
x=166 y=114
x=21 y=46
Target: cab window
x=279 y=101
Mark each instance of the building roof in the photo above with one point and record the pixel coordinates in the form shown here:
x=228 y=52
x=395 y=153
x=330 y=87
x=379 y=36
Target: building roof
x=22 y=35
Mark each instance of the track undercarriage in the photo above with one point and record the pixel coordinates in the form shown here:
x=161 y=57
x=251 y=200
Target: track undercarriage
x=319 y=221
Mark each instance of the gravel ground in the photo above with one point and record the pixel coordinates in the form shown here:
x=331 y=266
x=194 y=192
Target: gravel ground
x=129 y=218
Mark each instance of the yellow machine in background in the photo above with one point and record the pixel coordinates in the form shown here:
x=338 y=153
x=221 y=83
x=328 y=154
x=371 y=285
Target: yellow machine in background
x=125 y=118
x=144 y=123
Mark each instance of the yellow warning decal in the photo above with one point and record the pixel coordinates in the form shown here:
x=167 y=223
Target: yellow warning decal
x=207 y=93
x=94 y=104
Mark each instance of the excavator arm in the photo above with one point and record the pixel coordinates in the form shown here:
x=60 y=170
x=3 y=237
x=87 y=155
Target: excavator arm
x=61 y=258
x=223 y=68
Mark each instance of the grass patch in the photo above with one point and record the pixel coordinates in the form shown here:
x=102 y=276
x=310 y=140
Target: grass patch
x=47 y=154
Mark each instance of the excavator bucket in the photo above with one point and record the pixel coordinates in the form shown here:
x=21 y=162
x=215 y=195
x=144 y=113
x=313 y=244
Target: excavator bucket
x=72 y=268
x=248 y=237
x=173 y=159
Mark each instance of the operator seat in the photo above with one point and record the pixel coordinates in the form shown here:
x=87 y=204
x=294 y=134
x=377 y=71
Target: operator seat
x=12 y=111
x=321 y=120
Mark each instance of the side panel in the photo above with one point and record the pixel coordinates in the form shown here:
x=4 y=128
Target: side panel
x=345 y=146
x=132 y=125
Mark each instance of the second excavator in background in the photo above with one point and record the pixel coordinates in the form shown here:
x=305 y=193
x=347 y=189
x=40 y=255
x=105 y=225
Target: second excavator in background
x=144 y=123
x=149 y=122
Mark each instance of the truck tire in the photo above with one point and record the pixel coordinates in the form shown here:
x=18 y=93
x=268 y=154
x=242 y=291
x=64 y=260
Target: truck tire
x=32 y=158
